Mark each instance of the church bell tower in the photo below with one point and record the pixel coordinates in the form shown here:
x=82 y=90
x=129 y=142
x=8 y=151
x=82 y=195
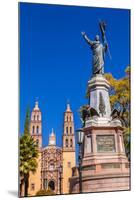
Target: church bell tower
x=36 y=133
x=36 y=125
x=68 y=140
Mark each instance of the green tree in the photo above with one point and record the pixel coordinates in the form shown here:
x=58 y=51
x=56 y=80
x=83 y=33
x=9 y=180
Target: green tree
x=27 y=122
x=120 y=99
x=28 y=155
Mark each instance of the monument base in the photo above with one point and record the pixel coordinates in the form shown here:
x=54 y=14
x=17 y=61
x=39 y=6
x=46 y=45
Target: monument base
x=105 y=166
x=101 y=182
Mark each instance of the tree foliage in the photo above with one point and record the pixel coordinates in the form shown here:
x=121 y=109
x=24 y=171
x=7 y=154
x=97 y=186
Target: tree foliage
x=120 y=99
x=27 y=122
x=119 y=91
x=44 y=192
x=28 y=155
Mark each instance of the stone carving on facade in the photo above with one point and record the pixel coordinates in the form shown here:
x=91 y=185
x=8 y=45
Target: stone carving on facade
x=51 y=158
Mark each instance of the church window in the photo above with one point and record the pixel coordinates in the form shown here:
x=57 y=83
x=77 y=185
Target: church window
x=70 y=118
x=34 y=117
x=70 y=129
x=66 y=130
x=51 y=167
x=67 y=118
x=71 y=143
x=32 y=186
x=33 y=129
x=37 y=117
x=66 y=142
x=37 y=129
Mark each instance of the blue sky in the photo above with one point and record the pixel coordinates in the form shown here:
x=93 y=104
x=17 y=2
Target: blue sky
x=55 y=61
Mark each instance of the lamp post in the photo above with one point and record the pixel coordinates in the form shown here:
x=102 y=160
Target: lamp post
x=80 y=137
x=60 y=177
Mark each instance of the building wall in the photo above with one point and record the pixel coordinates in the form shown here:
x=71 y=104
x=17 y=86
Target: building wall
x=35 y=179
x=68 y=163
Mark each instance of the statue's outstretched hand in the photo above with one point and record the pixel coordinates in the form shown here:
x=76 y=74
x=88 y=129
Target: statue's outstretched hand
x=83 y=33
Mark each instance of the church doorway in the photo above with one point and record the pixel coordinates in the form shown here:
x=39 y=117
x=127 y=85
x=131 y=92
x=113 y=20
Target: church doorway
x=51 y=185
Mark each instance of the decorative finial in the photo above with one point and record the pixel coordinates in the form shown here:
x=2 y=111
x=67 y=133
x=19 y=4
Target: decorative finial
x=52 y=130
x=52 y=138
x=36 y=104
x=68 y=108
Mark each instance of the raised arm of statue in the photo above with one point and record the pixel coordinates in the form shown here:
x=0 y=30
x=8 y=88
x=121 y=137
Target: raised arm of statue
x=87 y=39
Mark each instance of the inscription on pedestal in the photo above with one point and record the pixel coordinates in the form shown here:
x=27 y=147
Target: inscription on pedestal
x=105 y=143
x=110 y=165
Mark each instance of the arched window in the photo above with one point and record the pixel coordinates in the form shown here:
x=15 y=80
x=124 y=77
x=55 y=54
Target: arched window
x=51 y=166
x=66 y=130
x=34 y=117
x=33 y=129
x=70 y=118
x=67 y=118
x=37 y=129
x=37 y=117
x=71 y=143
x=70 y=129
x=66 y=142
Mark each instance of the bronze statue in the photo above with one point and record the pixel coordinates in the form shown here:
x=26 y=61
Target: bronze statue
x=99 y=49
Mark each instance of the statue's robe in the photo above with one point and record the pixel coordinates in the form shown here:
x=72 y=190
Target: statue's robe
x=98 y=57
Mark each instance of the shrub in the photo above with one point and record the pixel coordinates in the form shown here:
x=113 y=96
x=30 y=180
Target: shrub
x=44 y=192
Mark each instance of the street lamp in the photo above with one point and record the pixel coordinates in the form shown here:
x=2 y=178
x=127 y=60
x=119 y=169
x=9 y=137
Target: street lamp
x=60 y=177
x=80 y=137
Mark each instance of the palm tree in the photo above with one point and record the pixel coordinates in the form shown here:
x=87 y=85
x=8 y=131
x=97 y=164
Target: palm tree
x=28 y=155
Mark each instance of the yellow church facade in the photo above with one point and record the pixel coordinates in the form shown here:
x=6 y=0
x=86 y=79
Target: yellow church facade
x=54 y=163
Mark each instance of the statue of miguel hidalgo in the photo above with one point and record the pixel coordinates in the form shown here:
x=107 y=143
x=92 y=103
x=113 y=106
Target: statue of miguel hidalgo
x=98 y=50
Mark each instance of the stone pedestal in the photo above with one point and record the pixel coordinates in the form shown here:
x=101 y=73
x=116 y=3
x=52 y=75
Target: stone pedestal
x=104 y=165
x=98 y=88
